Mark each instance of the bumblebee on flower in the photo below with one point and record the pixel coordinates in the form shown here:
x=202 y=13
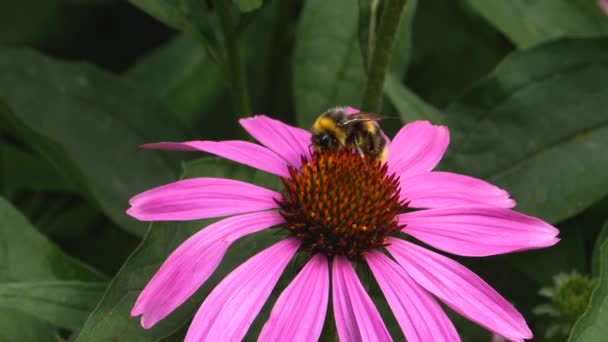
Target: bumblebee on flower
x=340 y=206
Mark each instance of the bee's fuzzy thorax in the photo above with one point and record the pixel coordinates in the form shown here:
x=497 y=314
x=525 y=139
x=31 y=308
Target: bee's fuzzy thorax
x=336 y=130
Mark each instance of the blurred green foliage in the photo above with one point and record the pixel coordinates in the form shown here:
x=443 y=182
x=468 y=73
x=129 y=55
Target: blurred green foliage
x=521 y=85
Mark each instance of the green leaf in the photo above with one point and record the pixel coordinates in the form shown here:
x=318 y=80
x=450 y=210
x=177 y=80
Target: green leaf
x=530 y=22
x=328 y=67
x=17 y=326
x=537 y=127
x=542 y=264
x=409 y=106
x=88 y=123
x=597 y=248
x=188 y=16
x=111 y=319
x=26 y=255
x=173 y=13
x=62 y=303
x=248 y=5
x=592 y=325
x=29 y=21
x=20 y=170
x=452 y=48
x=189 y=86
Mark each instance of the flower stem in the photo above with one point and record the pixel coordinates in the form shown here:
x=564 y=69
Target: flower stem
x=236 y=72
x=371 y=36
x=381 y=55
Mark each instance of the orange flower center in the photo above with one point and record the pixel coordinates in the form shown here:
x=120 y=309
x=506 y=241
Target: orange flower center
x=340 y=203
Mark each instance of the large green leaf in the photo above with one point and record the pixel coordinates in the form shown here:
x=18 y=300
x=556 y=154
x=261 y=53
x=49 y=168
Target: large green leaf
x=18 y=326
x=173 y=13
x=597 y=250
x=542 y=264
x=452 y=48
x=189 y=86
x=63 y=303
x=189 y=16
x=88 y=124
x=111 y=319
x=409 y=105
x=21 y=169
x=328 y=66
x=530 y=22
x=592 y=327
x=29 y=21
x=28 y=257
x=537 y=126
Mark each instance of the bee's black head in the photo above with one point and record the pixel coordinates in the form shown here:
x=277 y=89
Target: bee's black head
x=325 y=141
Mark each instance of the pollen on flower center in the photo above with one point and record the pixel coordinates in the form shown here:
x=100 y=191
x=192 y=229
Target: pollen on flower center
x=341 y=204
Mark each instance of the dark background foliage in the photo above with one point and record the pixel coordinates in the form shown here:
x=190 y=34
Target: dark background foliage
x=522 y=85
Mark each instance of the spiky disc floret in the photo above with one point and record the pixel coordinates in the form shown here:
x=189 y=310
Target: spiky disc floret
x=341 y=203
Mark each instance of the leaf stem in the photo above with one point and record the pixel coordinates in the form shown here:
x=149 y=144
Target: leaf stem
x=381 y=55
x=236 y=71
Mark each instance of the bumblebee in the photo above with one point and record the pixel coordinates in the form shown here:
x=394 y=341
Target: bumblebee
x=335 y=130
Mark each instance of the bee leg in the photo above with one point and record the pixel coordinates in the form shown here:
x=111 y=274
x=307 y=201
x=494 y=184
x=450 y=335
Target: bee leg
x=360 y=152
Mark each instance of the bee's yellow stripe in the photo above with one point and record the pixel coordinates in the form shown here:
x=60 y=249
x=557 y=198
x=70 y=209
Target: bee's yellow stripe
x=328 y=125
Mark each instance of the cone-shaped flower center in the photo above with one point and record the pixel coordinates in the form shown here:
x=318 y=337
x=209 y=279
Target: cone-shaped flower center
x=340 y=203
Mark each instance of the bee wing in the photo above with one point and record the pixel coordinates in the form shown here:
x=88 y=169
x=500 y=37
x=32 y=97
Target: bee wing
x=361 y=117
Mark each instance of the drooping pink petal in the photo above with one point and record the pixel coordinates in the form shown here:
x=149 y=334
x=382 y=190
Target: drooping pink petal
x=289 y=142
x=191 y=264
x=478 y=230
x=239 y=151
x=231 y=307
x=299 y=313
x=357 y=319
x=443 y=189
x=460 y=289
x=419 y=315
x=418 y=147
x=199 y=198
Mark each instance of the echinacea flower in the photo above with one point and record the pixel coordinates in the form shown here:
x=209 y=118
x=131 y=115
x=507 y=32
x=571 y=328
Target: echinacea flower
x=339 y=209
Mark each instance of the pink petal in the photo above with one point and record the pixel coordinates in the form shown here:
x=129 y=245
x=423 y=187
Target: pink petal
x=199 y=198
x=242 y=152
x=350 y=110
x=231 y=307
x=289 y=142
x=417 y=148
x=191 y=264
x=299 y=313
x=357 y=319
x=603 y=5
x=418 y=314
x=478 y=230
x=444 y=189
x=460 y=289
